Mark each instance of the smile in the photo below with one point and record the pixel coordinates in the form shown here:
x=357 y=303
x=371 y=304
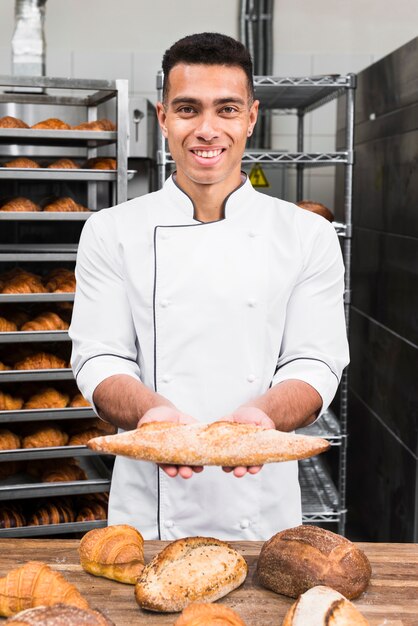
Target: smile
x=207 y=154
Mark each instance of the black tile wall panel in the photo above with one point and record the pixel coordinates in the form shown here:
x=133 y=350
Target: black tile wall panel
x=383 y=374
x=382 y=479
x=385 y=280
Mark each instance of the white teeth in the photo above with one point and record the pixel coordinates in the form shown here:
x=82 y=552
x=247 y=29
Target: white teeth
x=207 y=154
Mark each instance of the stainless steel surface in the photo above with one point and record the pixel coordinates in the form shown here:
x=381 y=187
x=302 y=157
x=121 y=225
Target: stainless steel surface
x=47 y=530
x=33 y=454
x=43 y=173
x=31 y=415
x=47 y=216
x=320 y=500
x=34 y=336
x=142 y=128
x=25 y=136
x=28 y=42
x=23 y=486
x=23 y=298
x=122 y=143
x=12 y=376
x=299 y=167
x=289 y=158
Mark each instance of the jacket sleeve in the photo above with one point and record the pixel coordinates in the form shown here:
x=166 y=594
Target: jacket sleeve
x=102 y=329
x=314 y=347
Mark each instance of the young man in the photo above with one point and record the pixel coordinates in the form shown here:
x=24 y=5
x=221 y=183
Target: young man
x=204 y=301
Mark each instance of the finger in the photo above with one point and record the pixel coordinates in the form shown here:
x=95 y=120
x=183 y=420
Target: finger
x=227 y=469
x=185 y=471
x=197 y=468
x=254 y=469
x=170 y=470
x=240 y=471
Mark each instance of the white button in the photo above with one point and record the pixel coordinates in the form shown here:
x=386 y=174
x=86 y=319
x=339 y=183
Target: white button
x=164 y=303
x=169 y=523
x=251 y=378
x=252 y=303
x=252 y=234
x=166 y=378
x=244 y=523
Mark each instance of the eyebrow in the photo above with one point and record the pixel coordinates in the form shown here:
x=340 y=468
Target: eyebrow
x=217 y=102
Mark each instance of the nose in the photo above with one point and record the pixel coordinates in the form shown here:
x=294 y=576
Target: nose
x=206 y=129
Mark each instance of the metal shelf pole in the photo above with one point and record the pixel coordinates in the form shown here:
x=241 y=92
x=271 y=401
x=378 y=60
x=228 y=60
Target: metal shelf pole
x=300 y=167
x=161 y=147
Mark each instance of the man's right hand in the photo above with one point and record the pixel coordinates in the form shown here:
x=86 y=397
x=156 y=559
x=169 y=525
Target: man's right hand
x=171 y=414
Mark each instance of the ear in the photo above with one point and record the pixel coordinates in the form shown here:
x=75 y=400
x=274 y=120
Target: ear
x=253 y=117
x=162 y=116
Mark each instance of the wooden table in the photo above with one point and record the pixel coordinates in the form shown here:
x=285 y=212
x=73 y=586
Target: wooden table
x=390 y=600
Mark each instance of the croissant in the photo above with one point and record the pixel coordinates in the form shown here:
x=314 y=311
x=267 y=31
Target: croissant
x=22 y=162
x=48 y=398
x=9 y=403
x=18 y=317
x=64 y=473
x=40 y=361
x=60 y=280
x=52 y=123
x=115 y=552
x=66 y=204
x=204 y=614
x=63 y=164
x=7 y=326
x=36 y=584
x=37 y=468
x=81 y=439
x=59 y=615
x=101 y=163
x=11 y=517
x=8 y=440
x=45 y=437
x=45 y=321
x=92 y=511
x=102 y=124
x=20 y=204
x=12 y=122
x=79 y=400
x=87 y=498
x=52 y=513
x=4 y=367
x=24 y=284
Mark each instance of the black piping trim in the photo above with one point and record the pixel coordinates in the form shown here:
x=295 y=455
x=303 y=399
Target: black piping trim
x=223 y=203
x=307 y=358
x=105 y=354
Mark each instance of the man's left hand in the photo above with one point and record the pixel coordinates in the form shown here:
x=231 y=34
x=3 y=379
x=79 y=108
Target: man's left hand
x=248 y=415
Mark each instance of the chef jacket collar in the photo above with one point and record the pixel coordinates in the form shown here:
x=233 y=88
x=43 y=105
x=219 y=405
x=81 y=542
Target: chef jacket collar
x=231 y=205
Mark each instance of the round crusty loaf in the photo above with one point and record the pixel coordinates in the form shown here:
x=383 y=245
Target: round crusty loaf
x=189 y=570
x=204 y=614
x=296 y=559
x=323 y=606
x=58 y=615
x=316 y=207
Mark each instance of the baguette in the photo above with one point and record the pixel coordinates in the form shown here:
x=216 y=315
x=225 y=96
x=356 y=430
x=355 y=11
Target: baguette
x=189 y=570
x=323 y=606
x=222 y=443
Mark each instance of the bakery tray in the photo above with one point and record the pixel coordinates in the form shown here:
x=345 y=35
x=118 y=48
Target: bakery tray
x=36 y=297
x=45 y=173
x=21 y=336
x=327 y=426
x=30 y=415
x=45 y=216
x=34 y=137
x=33 y=454
x=25 y=486
x=45 y=530
x=12 y=376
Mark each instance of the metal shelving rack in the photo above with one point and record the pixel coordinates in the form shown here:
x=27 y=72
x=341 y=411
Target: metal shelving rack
x=89 y=95
x=322 y=501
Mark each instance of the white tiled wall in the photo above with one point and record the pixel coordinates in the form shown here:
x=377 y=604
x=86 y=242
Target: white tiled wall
x=126 y=39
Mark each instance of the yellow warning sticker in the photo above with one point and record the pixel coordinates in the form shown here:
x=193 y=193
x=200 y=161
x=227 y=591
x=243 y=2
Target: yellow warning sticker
x=257 y=177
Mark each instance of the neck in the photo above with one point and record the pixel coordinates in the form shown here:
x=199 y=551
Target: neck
x=208 y=200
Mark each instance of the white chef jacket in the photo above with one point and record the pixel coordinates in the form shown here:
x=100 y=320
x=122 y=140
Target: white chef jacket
x=210 y=315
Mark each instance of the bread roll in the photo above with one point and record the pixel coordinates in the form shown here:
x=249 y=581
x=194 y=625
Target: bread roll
x=299 y=558
x=189 y=570
x=115 y=552
x=316 y=207
x=12 y=122
x=63 y=164
x=59 y=615
x=52 y=123
x=221 y=443
x=203 y=614
x=20 y=204
x=323 y=606
x=101 y=163
x=22 y=162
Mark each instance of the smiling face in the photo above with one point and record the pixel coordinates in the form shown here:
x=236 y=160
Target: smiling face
x=207 y=118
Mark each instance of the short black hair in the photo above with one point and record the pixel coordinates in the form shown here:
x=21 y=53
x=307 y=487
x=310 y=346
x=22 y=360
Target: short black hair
x=208 y=49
